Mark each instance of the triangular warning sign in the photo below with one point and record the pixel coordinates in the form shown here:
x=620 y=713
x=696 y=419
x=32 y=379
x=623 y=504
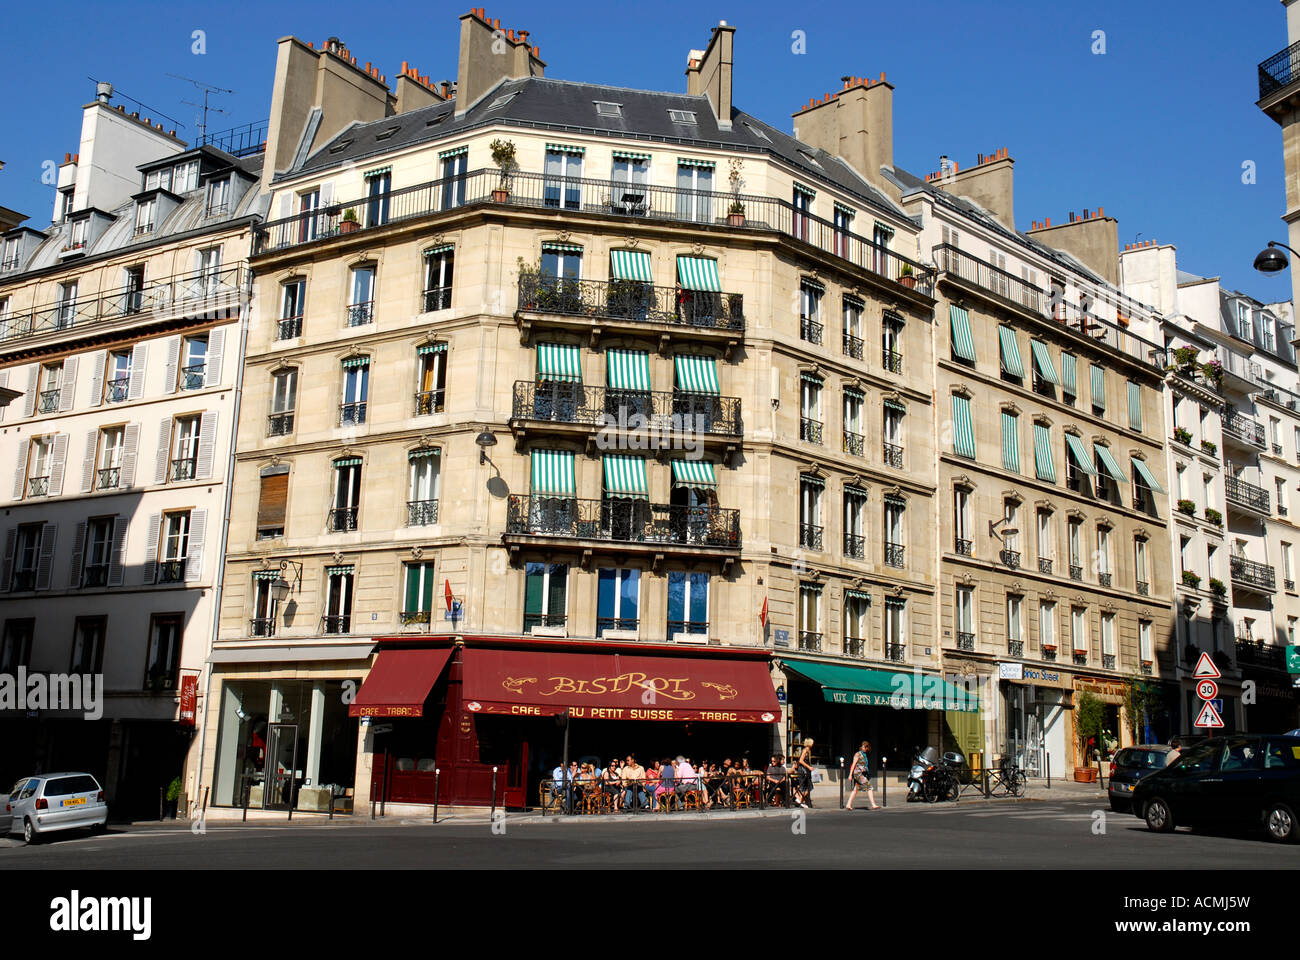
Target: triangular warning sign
x=1205 y=668
x=1209 y=717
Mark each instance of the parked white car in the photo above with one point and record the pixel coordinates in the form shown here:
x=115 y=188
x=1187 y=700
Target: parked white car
x=56 y=801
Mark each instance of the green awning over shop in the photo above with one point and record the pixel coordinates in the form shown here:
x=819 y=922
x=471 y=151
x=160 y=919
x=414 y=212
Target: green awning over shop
x=1134 y=406
x=1044 y=460
x=1010 y=351
x=1149 y=478
x=1070 y=374
x=628 y=370
x=1098 y=387
x=630 y=265
x=694 y=374
x=1043 y=361
x=963 y=344
x=1110 y=463
x=694 y=473
x=863 y=686
x=1080 y=454
x=559 y=361
x=963 y=429
x=625 y=476
x=698 y=273
x=553 y=473
x=1011 y=442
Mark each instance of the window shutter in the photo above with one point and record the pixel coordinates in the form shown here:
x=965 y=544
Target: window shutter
x=273 y=501
x=33 y=381
x=164 y=449
x=216 y=351
x=20 y=474
x=130 y=442
x=207 y=445
x=139 y=357
x=68 y=385
x=173 y=361
x=4 y=382
x=88 y=464
x=286 y=204
x=151 y=549
x=116 y=569
x=97 y=378
x=58 y=459
x=194 y=558
x=45 y=564
x=78 y=552
x=326 y=194
x=7 y=562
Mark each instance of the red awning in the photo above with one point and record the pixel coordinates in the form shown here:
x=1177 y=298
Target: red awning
x=611 y=686
x=399 y=683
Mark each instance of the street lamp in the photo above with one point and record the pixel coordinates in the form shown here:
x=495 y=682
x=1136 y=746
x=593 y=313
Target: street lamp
x=1271 y=259
x=484 y=440
x=1007 y=531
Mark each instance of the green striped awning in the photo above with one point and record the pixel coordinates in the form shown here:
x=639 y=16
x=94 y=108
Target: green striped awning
x=266 y=574
x=348 y=462
x=853 y=393
x=1043 y=362
x=856 y=595
x=804 y=189
x=963 y=344
x=698 y=273
x=895 y=405
x=440 y=248
x=423 y=453
x=1010 y=352
x=694 y=473
x=1134 y=406
x=352 y=362
x=692 y=374
x=559 y=361
x=1044 y=460
x=628 y=370
x=552 y=246
x=453 y=152
x=1098 y=387
x=553 y=473
x=630 y=155
x=1080 y=454
x=566 y=148
x=630 y=265
x=1069 y=374
x=963 y=429
x=692 y=162
x=845 y=208
x=625 y=476
x=1011 y=442
x=812 y=481
x=377 y=172
x=814 y=284
x=1149 y=478
x=439 y=347
x=1110 y=463
x=342 y=571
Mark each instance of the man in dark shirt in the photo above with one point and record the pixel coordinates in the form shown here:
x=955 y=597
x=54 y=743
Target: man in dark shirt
x=776 y=781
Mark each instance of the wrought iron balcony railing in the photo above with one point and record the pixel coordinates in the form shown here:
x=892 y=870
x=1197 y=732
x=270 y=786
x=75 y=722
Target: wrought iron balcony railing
x=47 y=401
x=895 y=652
x=421 y=513
x=659 y=411
x=1248 y=573
x=437 y=298
x=183 y=468
x=810 y=536
x=965 y=547
x=279 y=424
x=855 y=647
x=1279 y=70
x=1261 y=654
x=411 y=617
x=108 y=478
x=261 y=627
x=1076 y=572
x=891 y=360
x=852 y=346
x=1048 y=653
x=192 y=377
x=359 y=314
x=341 y=519
x=854 y=443
x=1108 y=661
x=532 y=620
x=630 y=624
x=429 y=401
x=172 y=570
x=810 y=330
x=1011 y=558
x=117 y=389
x=1080 y=659
x=855 y=546
x=1103 y=579
x=1246 y=494
x=352 y=413
x=1144 y=588
x=623 y=521
x=630 y=301
x=965 y=640
x=1146 y=668
x=894 y=554
x=287 y=328
x=698 y=628
x=1044 y=565
x=893 y=455
x=810 y=430
x=1244 y=428
x=1015 y=648
x=94 y=575
x=810 y=640
x=38 y=486
x=336 y=624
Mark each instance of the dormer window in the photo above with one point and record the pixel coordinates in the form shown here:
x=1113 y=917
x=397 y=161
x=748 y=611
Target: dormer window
x=219 y=197
x=607 y=109
x=158 y=179
x=79 y=234
x=9 y=254
x=185 y=177
x=144 y=216
x=681 y=116
x=65 y=208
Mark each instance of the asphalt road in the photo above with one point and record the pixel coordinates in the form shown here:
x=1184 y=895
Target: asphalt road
x=996 y=835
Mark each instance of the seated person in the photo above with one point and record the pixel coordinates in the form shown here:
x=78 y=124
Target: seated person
x=776 y=781
x=667 y=780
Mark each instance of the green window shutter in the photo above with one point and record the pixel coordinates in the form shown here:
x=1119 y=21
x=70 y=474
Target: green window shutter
x=695 y=374
x=559 y=361
x=1109 y=462
x=630 y=265
x=1044 y=460
x=1080 y=454
x=1070 y=374
x=1134 y=406
x=1043 y=362
x=963 y=344
x=1010 y=352
x=1145 y=473
x=412 y=587
x=698 y=273
x=694 y=473
x=963 y=428
x=1011 y=442
x=533 y=583
x=625 y=477
x=428 y=588
x=1098 y=387
x=628 y=369
x=553 y=473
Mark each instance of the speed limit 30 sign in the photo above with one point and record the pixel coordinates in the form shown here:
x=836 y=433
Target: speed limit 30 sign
x=1207 y=689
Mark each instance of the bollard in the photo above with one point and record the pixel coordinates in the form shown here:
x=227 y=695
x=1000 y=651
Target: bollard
x=246 y=792
x=841 y=783
x=493 y=815
x=1048 y=758
x=436 y=773
x=161 y=811
x=884 y=781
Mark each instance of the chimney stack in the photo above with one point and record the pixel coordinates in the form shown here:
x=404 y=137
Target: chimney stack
x=1092 y=238
x=709 y=72
x=856 y=123
x=480 y=67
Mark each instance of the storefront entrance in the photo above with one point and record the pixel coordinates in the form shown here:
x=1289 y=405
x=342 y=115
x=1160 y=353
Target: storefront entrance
x=283 y=776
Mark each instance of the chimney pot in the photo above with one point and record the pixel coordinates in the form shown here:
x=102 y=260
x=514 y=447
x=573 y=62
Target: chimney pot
x=496 y=23
x=1099 y=211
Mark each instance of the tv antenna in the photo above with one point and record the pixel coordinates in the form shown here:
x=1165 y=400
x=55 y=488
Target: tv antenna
x=208 y=90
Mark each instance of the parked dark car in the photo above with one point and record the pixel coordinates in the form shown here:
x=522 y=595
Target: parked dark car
x=1242 y=779
x=1131 y=765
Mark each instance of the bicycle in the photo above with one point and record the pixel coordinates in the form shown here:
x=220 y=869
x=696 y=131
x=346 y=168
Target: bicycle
x=1009 y=780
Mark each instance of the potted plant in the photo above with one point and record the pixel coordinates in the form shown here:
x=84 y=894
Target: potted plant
x=503 y=155
x=1185 y=359
x=905 y=276
x=1183 y=436
x=735 y=212
x=172 y=798
x=1213 y=371
x=1191 y=579
x=1089 y=721
x=1210 y=447
x=1214 y=516
x=349 y=223
x=1188 y=507
x=1217 y=587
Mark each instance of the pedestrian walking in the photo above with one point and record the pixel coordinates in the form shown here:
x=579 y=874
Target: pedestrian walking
x=860 y=776
x=803 y=772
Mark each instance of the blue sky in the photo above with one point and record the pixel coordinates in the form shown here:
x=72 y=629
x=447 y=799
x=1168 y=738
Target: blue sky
x=1155 y=130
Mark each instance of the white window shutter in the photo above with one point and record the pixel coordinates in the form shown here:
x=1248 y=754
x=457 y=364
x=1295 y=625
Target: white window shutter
x=130 y=444
x=326 y=194
x=139 y=359
x=88 y=464
x=151 y=549
x=286 y=204
x=216 y=351
x=4 y=382
x=33 y=381
x=45 y=563
x=194 y=558
x=164 y=450
x=116 y=569
x=68 y=385
x=78 y=553
x=173 y=361
x=7 y=562
x=207 y=445
x=20 y=473
x=97 y=379
x=58 y=460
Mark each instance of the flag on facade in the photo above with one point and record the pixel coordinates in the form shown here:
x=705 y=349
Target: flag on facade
x=762 y=616
x=447 y=593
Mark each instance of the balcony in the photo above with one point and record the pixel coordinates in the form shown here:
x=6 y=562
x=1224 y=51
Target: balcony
x=47 y=401
x=852 y=346
x=279 y=424
x=855 y=546
x=659 y=413
x=894 y=554
x=1144 y=588
x=892 y=453
x=261 y=627
x=1257 y=653
x=629 y=306
x=288 y=328
x=1044 y=565
x=895 y=652
x=548 y=621
x=117 y=389
x=1108 y=661
x=193 y=376
x=810 y=430
x=1252 y=575
x=341 y=519
x=854 y=443
x=182 y=469
x=1243 y=494
x=95 y=575
x=360 y=314
x=1015 y=648
x=891 y=360
x=603 y=198
x=810 y=536
x=855 y=647
x=1279 y=71
x=1080 y=658
x=1076 y=572
x=430 y=401
x=964 y=547
x=810 y=330
x=352 y=413
x=214 y=294
x=1010 y=558
x=656 y=526
x=1103 y=579
x=437 y=298
x=810 y=640
x=171 y=570
x=421 y=513
x=1245 y=429
x=1048 y=653
x=965 y=640
x=336 y=624
x=38 y=486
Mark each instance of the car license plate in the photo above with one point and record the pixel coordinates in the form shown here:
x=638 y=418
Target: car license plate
x=1123 y=787
x=74 y=802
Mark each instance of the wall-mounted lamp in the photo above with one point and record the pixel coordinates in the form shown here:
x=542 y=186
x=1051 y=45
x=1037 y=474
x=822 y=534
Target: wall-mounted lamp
x=1271 y=259
x=1007 y=531
x=484 y=440
x=280 y=587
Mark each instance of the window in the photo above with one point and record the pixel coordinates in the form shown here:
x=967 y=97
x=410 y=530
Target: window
x=857 y=607
x=79 y=233
x=39 y=455
x=209 y=281
x=810 y=408
x=963 y=427
x=438 y=268
x=855 y=523
x=1011 y=441
x=1079 y=633
x=688 y=603
x=854 y=441
x=561 y=263
x=964 y=613
x=308 y=221
x=338 y=600
x=163 y=661
x=361 y=306
x=1098 y=389
x=1144 y=641
x=1279 y=484
x=272 y=502
x=219 y=197
x=1142 y=583
x=9 y=254
x=1074 y=532
x=606 y=109
x=51 y=382
x=1047 y=626
x=1108 y=654
x=891 y=343
x=378 y=186
x=185 y=177
x=108 y=464
x=356 y=389
x=194 y=363
x=16 y=645
x=145 y=211
x=695 y=191
x=347 y=495
x=1015 y=625
x=1103 y=556
x=264 y=604
x=27 y=550
x=802 y=204
x=422 y=493
x=852 y=317
x=432 y=371
x=810 y=311
x=98 y=552
x=117 y=376
x=175 y=547
x=810 y=617
x=1134 y=406
x=843 y=221
x=881 y=237
x=1011 y=540
x=417 y=607
x=1288 y=577
x=284 y=397
x=562 y=187
x=1046 y=544
x=893 y=431
x=546 y=587
x=962 y=528
x=681 y=116
x=810 y=513
x=293 y=299
x=88 y=645
x=66 y=201
x=631 y=176
x=617 y=599
x=185 y=448
x=894 y=545
x=454 y=169
x=895 y=627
